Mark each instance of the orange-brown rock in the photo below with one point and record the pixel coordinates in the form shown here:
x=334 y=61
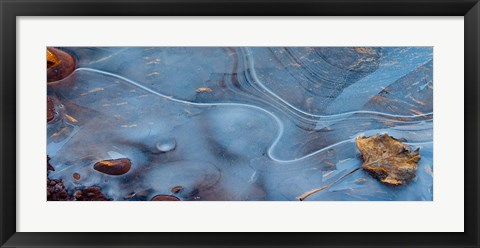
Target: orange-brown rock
x=113 y=166
x=60 y=64
x=165 y=198
x=76 y=176
x=176 y=189
x=50 y=109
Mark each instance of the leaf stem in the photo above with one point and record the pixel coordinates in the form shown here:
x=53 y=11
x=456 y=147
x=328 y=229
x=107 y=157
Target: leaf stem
x=314 y=191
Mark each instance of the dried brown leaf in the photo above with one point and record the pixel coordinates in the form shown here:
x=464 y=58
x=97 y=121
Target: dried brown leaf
x=388 y=159
x=385 y=157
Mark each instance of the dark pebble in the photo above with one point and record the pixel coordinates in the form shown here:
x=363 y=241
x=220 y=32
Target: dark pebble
x=56 y=191
x=90 y=194
x=49 y=166
x=50 y=109
x=76 y=176
x=176 y=189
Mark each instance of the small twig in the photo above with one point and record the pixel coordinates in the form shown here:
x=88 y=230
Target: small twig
x=311 y=192
x=314 y=191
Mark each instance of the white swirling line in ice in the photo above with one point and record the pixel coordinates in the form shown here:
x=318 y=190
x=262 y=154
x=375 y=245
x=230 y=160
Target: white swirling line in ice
x=279 y=123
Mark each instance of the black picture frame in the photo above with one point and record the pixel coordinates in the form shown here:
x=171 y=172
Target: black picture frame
x=10 y=9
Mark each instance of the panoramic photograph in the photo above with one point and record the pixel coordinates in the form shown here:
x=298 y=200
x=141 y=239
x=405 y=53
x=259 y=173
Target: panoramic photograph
x=239 y=124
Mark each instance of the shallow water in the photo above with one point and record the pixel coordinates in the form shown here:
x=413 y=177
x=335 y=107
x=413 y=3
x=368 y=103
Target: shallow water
x=240 y=123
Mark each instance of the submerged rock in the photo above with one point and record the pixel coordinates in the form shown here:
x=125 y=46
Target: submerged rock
x=56 y=191
x=90 y=194
x=176 y=189
x=165 y=198
x=76 y=176
x=388 y=159
x=113 y=166
x=50 y=109
x=60 y=64
x=49 y=166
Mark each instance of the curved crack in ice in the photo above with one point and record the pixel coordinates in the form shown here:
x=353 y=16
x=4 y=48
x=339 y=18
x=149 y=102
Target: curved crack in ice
x=251 y=69
x=280 y=124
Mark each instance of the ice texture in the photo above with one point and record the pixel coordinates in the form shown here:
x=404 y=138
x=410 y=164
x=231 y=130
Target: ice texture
x=240 y=123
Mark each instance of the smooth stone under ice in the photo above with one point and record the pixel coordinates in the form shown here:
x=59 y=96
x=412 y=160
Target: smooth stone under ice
x=165 y=198
x=113 y=166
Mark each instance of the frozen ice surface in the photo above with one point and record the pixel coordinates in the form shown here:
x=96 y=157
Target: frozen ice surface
x=240 y=123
